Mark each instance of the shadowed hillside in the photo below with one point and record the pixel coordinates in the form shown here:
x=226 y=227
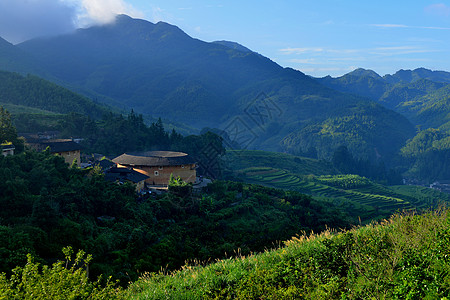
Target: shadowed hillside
x=157 y=69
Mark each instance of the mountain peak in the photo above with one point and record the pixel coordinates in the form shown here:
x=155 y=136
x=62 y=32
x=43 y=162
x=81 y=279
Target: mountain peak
x=360 y=72
x=4 y=43
x=234 y=46
x=123 y=18
x=410 y=76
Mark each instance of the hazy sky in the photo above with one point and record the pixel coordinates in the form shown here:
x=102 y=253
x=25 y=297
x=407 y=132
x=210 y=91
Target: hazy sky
x=316 y=37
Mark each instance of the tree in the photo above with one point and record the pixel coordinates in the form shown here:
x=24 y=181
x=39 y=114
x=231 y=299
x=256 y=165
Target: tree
x=178 y=187
x=63 y=280
x=8 y=132
x=343 y=160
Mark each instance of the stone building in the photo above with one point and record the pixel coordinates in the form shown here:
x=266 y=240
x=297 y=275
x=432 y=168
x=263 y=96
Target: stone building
x=159 y=165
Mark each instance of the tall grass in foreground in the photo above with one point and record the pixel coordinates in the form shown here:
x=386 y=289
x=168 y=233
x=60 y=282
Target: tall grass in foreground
x=404 y=257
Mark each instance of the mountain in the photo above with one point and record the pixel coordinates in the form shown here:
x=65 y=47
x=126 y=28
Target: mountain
x=153 y=67
x=159 y=70
x=15 y=60
x=361 y=82
x=233 y=45
x=34 y=92
x=410 y=76
x=421 y=95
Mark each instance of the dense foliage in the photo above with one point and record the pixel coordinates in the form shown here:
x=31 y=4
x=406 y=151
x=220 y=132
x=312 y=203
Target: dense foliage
x=36 y=92
x=64 y=280
x=345 y=181
x=8 y=133
x=362 y=198
x=115 y=134
x=428 y=154
x=50 y=206
x=420 y=95
x=344 y=161
x=405 y=257
x=363 y=131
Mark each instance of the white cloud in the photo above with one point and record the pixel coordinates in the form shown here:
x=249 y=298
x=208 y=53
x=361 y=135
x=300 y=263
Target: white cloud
x=158 y=14
x=25 y=19
x=21 y=20
x=389 y=26
x=439 y=9
x=300 y=50
x=307 y=61
x=317 y=50
x=101 y=11
x=399 y=50
x=436 y=28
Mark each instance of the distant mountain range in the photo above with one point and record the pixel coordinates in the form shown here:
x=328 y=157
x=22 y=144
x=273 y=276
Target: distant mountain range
x=159 y=70
x=422 y=95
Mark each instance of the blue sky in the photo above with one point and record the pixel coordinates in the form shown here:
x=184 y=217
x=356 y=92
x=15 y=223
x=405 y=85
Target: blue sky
x=316 y=37
x=321 y=37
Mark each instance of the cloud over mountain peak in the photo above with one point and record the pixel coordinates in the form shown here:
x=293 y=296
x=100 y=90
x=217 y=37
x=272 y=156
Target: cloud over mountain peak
x=21 y=20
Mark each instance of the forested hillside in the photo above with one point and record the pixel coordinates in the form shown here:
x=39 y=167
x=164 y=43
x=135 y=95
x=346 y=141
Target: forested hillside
x=157 y=69
x=32 y=91
x=297 y=187
x=51 y=206
x=422 y=96
x=337 y=181
x=16 y=60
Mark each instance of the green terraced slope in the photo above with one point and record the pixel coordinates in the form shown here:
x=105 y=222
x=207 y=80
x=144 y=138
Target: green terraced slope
x=365 y=200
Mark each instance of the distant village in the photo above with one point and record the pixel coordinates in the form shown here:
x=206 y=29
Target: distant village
x=148 y=171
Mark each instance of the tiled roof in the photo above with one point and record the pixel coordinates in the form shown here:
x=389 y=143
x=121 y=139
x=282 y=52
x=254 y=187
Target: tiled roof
x=122 y=174
x=64 y=146
x=7 y=146
x=154 y=158
x=105 y=164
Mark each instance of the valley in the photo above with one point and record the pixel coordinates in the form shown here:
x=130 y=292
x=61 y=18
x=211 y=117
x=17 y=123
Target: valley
x=288 y=155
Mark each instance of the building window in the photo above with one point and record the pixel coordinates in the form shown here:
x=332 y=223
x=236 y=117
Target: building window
x=182 y=166
x=160 y=167
x=156 y=173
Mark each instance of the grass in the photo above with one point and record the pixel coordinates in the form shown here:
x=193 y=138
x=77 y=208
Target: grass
x=404 y=257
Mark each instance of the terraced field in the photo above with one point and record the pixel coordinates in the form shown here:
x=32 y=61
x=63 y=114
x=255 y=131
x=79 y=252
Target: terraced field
x=242 y=159
x=368 y=202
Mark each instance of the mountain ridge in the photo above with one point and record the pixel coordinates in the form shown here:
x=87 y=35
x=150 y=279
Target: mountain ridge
x=159 y=70
x=409 y=92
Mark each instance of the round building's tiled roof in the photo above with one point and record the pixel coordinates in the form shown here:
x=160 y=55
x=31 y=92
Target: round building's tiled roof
x=154 y=158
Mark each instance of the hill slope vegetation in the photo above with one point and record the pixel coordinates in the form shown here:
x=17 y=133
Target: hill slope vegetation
x=158 y=69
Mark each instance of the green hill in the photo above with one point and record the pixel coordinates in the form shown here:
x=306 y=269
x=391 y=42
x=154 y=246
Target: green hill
x=363 y=132
x=158 y=69
x=360 y=197
x=15 y=60
x=420 y=73
x=243 y=159
x=35 y=92
x=405 y=257
x=421 y=95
